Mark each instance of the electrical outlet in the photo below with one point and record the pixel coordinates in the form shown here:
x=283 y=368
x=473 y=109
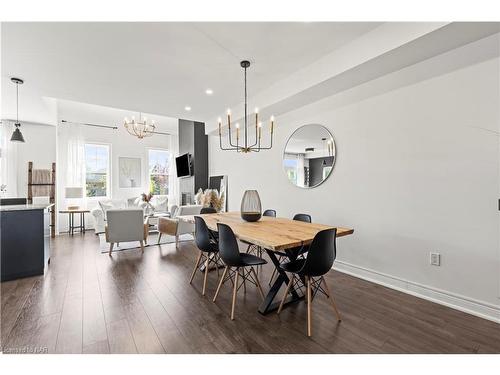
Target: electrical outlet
x=435 y=259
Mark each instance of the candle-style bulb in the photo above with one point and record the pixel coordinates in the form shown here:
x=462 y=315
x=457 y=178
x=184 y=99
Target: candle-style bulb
x=219 y=120
x=272 y=118
x=237 y=125
x=259 y=124
x=256 y=110
x=228 y=111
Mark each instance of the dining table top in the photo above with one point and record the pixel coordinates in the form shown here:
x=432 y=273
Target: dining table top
x=271 y=233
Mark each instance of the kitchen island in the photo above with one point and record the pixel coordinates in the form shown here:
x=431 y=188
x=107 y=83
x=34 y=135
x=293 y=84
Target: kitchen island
x=24 y=240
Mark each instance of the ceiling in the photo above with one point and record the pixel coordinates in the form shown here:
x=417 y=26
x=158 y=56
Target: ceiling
x=157 y=68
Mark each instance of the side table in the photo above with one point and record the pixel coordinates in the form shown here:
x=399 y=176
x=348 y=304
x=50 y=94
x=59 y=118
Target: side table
x=71 y=217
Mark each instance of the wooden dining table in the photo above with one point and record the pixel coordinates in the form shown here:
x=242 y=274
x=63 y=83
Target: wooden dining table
x=277 y=236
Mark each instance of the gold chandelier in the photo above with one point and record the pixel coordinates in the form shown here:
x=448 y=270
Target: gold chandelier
x=140 y=128
x=246 y=145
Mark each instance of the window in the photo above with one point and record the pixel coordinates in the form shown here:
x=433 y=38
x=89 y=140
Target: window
x=159 y=171
x=96 y=170
x=291 y=166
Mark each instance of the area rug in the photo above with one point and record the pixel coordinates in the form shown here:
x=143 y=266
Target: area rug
x=152 y=241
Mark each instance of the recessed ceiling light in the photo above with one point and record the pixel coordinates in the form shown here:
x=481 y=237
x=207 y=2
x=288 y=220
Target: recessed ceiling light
x=187 y=108
x=209 y=91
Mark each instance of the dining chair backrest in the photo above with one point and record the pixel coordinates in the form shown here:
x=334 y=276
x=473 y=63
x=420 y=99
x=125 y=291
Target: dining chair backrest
x=322 y=253
x=271 y=213
x=303 y=217
x=228 y=246
x=208 y=210
x=202 y=235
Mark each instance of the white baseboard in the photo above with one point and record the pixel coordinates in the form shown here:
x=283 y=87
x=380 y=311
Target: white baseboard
x=471 y=306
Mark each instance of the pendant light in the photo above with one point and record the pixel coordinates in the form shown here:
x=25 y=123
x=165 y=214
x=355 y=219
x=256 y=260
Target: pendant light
x=17 y=136
x=247 y=145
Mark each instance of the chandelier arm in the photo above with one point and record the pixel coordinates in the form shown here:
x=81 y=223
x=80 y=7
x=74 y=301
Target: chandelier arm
x=256 y=132
x=268 y=147
x=230 y=141
x=225 y=148
x=256 y=138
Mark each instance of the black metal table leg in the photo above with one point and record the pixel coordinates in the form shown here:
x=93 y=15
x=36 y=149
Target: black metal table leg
x=268 y=305
x=71 y=223
x=82 y=222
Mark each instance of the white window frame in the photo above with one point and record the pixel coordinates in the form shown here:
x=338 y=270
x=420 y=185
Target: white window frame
x=108 y=176
x=147 y=169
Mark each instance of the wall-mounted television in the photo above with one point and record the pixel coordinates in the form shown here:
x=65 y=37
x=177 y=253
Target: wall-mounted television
x=183 y=165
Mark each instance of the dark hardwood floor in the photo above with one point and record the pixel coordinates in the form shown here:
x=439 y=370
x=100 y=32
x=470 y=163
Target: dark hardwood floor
x=131 y=303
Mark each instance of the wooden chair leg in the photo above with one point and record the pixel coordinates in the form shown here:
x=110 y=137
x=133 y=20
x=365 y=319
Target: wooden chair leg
x=142 y=246
x=235 y=290
x=111 y=247
x=220 y=283
x=272 y=277
x=196 y=267
x=206 y=274
x=177 y=242
x=257 y=282
x=332 y=300
x=309 y=305
x=159 y=238
x=287 y=289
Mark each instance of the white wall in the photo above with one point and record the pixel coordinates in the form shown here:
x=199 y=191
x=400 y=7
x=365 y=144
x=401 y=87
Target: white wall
x=39 y=147
x=121 y=144
x=414 y=174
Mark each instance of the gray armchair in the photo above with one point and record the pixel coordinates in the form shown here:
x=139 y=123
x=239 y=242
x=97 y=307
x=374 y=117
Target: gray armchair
x=125 y=225
x=173 y=227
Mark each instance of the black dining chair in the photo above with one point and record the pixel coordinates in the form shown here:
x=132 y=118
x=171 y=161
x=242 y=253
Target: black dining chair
x=209 y=250
x=299 y=251
x=306 y=218
x=210 y=210
x=256 y=249
x=311 y=270
x=269 y=212
x=237 y=264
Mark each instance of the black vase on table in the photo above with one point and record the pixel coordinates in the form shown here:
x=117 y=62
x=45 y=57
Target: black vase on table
x=251 y=208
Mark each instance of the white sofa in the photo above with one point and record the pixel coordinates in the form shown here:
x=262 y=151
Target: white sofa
x=160 y=202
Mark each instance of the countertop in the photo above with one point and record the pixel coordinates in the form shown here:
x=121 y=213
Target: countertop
x=25 y=207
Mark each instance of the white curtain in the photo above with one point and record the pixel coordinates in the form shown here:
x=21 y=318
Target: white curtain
x=173 y=181
x=8 y=160
x=75 y=156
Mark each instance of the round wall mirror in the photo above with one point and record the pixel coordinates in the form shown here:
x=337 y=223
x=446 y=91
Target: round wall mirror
x=309 y=156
